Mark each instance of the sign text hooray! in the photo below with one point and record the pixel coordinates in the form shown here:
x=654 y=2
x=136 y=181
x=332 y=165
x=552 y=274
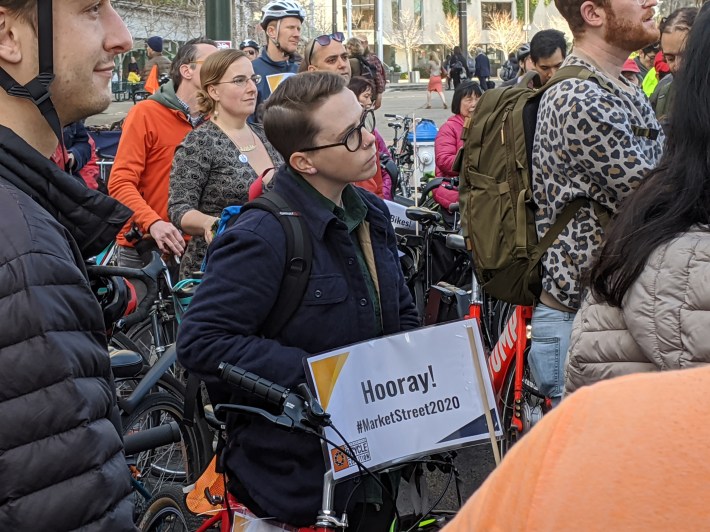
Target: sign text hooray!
x=418 y=382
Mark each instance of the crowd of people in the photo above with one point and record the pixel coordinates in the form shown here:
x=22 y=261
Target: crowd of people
x=623 y=285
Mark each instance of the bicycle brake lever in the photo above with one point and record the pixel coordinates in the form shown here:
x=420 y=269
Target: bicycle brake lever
x=283 y=421
x=314 y=411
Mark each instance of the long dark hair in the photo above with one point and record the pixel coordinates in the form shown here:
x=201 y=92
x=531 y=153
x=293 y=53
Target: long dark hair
x=676 y=195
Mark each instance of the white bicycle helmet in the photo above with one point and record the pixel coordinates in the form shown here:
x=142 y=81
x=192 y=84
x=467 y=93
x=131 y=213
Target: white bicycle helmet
x=523 y=51
x=278 y=9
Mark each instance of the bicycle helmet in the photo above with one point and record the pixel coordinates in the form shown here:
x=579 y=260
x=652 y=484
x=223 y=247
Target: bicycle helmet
x=278 y=9
x=37 y=89
x=523 y=51
x=116 y=296
x=249 y=43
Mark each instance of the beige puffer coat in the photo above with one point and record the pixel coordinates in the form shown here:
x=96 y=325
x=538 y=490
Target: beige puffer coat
x=664 y=323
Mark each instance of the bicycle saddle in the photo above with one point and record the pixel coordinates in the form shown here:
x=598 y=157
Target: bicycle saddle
x=423 y=215
x=125 y=364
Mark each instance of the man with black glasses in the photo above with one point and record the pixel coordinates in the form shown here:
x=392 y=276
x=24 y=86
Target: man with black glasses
x=356 y=291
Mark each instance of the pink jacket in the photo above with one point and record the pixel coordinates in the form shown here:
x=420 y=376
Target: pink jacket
x=386 y=178
x=446 y=146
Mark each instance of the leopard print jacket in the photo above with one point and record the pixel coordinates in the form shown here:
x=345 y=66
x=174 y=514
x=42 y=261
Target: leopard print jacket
x=585 y=147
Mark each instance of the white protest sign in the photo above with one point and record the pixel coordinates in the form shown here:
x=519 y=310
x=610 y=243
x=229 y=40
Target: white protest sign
x=223 y=45
x=405 y=395
x=398 y=217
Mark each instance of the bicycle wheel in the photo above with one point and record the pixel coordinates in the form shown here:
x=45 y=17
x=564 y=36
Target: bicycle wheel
x=167 y=512
x=142 y=337
x=180 y=462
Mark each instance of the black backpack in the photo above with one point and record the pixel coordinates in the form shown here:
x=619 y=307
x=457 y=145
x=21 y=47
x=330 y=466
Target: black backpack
x=366 y=69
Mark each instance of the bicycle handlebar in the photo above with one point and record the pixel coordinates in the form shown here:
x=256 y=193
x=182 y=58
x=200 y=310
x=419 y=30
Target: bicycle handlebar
x=148 y=275
x=299 y=411
x=259 y=387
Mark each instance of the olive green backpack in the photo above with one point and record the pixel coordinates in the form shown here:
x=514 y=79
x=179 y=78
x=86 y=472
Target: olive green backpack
x=495 y=189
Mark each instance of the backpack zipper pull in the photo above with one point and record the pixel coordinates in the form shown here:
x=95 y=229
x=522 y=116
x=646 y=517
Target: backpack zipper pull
x=502 y=127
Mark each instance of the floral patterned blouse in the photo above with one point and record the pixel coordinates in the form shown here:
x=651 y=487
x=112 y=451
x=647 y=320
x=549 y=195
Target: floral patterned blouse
x=207 y=176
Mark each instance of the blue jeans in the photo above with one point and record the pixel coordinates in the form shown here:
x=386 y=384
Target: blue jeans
x=551 y=331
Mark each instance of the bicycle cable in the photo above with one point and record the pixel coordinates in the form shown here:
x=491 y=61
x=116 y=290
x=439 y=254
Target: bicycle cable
x=350 y=453
x=441 y=497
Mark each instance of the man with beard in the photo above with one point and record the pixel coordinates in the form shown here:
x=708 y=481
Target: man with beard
x=61 y=458
x=596 y=138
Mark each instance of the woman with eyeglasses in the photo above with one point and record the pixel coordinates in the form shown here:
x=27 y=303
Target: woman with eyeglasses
x=217 y=162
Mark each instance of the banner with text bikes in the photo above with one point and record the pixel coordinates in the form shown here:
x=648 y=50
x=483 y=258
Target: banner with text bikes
x=405 y=396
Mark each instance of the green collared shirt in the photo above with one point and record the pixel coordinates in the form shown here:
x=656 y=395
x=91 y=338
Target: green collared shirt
x=352 y=214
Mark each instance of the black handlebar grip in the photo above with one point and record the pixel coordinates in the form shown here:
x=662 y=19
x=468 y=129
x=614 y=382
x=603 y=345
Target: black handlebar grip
x=261 y=388
x=146 y=440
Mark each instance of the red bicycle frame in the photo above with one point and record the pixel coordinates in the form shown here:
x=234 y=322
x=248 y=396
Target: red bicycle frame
x=224 y=519
x=509 y=349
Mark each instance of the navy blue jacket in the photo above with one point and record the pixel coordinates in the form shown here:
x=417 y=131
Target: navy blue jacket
x=266 y=68
x=283 y=472
x=76 y=141
x=483 y=67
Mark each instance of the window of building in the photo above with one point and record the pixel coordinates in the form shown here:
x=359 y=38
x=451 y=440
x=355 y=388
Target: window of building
x=363 y=13
x=419 y=11
x=488 y=8
x=396 y=9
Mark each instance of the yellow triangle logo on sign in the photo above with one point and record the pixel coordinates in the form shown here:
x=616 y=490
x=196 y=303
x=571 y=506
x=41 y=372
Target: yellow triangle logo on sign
x=326 y=373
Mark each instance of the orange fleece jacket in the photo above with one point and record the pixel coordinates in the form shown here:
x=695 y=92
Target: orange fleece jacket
x=629 y=453
x=141 y=171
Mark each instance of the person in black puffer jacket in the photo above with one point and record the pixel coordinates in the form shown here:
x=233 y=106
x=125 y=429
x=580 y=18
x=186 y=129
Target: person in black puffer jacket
x=62 y=465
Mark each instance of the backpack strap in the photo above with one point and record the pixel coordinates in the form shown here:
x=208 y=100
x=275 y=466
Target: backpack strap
x=570 y=210
x=583 y=73
x=299 y=259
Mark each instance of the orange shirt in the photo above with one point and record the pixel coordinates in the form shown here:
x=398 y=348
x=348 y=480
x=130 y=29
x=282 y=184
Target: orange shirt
x=141 y=172
x=626 y=454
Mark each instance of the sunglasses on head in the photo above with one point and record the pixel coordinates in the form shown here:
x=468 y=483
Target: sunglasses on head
x=325 y=40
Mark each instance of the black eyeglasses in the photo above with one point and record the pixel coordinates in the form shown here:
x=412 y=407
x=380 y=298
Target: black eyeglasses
x=249 y=51
x=353 y=138
x=241 y=81
x=325 y=40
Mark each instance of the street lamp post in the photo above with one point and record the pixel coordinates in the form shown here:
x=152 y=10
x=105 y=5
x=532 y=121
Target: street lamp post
x=335 y=16
x=218 y=20
x=463 y=31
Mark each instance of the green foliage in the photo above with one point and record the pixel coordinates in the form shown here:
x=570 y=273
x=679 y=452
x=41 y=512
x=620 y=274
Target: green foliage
x=451 y=7
x=520 y=6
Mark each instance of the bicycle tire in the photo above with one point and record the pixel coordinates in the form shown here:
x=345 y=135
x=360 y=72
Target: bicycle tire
x=167 y=511
x=180 y=462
